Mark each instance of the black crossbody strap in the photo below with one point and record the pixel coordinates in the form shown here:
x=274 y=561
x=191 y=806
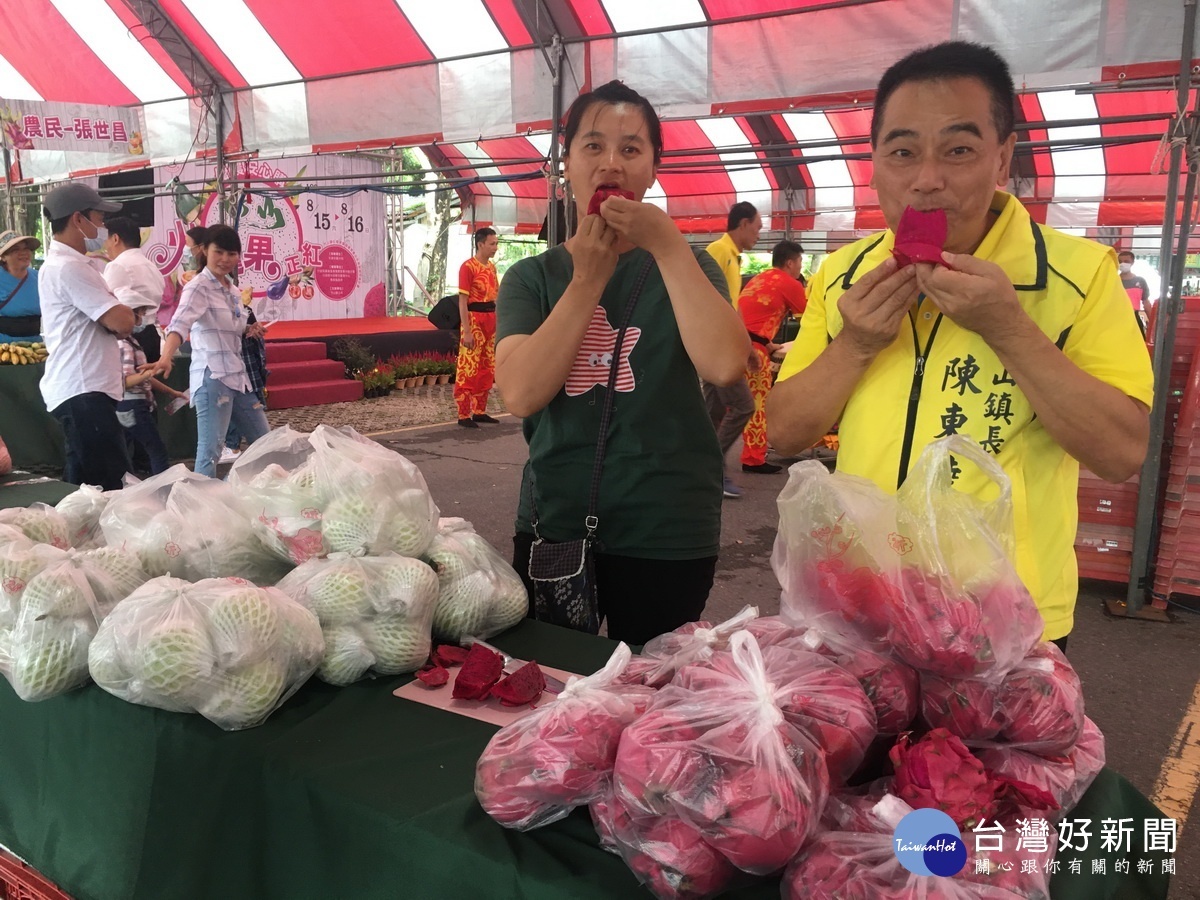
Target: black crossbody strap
x=606 y=411
x=20 y=284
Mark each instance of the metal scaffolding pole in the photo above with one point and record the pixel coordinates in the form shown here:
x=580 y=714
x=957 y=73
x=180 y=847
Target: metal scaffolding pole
x=1144 y=532
x=556 y=106
x=220 y=116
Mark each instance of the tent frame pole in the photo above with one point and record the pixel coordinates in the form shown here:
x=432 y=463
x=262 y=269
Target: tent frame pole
x=556 y=114
x=1145 y=529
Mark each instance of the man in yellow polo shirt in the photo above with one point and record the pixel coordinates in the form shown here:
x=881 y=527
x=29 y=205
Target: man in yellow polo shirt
x=1025 y=341
x=731 y=407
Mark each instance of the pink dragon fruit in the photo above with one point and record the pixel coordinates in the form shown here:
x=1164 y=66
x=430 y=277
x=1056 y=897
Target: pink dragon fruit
x=966 y=707
x=1042 y=703
x=939 y=772
x=673 y=860
x=935 y=631
x=1064 y=778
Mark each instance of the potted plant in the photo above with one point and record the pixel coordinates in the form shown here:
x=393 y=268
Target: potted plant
x=377 y=382
x=446 y=364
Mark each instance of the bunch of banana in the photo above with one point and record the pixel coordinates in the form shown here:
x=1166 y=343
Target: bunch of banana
x=22 y=353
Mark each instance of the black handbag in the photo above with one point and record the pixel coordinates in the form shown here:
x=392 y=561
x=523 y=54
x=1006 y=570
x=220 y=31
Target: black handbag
x=563 y=573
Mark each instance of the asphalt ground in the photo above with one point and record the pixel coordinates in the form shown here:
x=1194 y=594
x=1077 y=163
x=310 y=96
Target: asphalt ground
x=1141 y=679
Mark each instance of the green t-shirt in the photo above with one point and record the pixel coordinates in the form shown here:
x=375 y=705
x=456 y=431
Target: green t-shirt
x=660 y=491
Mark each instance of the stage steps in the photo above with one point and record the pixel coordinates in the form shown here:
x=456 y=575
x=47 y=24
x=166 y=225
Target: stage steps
x=300 y=374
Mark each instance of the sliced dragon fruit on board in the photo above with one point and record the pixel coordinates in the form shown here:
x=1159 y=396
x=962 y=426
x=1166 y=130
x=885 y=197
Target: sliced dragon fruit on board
x=480 y=670
x=522 y=687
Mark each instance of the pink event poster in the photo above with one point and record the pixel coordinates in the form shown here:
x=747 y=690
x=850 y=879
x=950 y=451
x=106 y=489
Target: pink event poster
x=304 y=256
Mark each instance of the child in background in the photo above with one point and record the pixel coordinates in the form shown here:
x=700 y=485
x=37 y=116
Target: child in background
x=135 y=410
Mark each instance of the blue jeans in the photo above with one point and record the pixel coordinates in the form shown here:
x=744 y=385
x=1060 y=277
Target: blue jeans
x=141 y=427
x=217 y=405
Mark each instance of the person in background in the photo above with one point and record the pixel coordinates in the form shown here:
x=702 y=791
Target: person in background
x=659 y=506
x=136 y=409
x=1022 y=342
x=254 y=355
x=134 y=280
x=6 y=465
x=731 y=406
x=211 y=312
x=477 y=287
x=20 y=305
x=1135 y=285
x=82 y=321
x=767 y=298
x=191 y=263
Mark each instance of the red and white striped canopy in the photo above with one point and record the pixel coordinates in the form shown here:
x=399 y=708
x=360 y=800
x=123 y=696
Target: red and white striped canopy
x=765 y=100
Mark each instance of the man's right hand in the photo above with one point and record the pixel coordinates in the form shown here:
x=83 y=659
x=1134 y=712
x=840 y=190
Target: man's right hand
x=594 y=252
x=875 y=306
x=468 y=338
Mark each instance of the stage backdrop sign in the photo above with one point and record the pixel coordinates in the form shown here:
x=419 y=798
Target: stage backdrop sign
x=307 y=256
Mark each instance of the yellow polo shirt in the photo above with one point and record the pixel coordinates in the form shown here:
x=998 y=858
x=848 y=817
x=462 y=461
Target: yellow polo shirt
x=726 y=253
x=938 y=379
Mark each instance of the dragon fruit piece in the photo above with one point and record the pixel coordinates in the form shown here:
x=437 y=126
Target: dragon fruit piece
x=609 y=817
x=522 y=687
x=480 y=670
x=920 y=237
x=603 y=194
x=893 y=687
x=449 y=655
x=939 y=772
x=966 y=707
x=433 y=675
x=674 y=861
x=939 y=632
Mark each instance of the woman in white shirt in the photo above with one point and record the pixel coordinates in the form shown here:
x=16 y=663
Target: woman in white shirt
x=210 y=312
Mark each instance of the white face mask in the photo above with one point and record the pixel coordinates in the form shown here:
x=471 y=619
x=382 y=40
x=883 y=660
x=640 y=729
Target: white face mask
x=1125 y=268
x=94 y=243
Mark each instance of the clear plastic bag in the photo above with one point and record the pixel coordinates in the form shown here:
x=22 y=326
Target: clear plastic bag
x=479 y=593
x=334 y=491
x=50 y=605
x=535 y=770
x=967 y=614
x=1066 y=777
x=892 y=686
x=1037 y=707
x=813 y=692
x=375 y=612
x=82 y=511
x=836 y=553
x=188 y=526
x=666 y=654
x=39 y=522
x=727 y=762
x=222 y=647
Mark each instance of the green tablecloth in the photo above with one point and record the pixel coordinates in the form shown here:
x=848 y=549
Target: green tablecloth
x=14 y=493
x=34 y=437
x=343 y=793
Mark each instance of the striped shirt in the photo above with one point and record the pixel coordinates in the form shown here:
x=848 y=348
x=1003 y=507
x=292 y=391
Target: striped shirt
x=212 y=314
x=133 y=356
x=594 y=360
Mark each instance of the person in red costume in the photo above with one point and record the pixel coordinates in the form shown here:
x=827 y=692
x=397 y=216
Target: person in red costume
x=765 y=300
x=476 y=371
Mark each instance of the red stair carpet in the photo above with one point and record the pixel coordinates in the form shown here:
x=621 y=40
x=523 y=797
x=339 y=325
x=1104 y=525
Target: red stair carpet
x=300 y=374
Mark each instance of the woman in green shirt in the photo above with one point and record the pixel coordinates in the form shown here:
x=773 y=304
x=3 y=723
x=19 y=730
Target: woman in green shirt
x=557 y=316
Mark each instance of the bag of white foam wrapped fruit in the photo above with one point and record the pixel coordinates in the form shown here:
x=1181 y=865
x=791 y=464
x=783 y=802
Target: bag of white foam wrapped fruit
x=81 y=511
x=189 y=526
x=51 y=602
x=375 y=612
x=333 y=491
x=479 y=593
x=222 y=647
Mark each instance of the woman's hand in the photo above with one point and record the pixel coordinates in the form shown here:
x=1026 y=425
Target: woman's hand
x=255 y=331
x=642 y=224
x=594 y=252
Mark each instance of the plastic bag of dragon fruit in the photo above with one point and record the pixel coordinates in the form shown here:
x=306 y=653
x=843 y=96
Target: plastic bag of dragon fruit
x=537 y=769
x=666 y=654
x=1037 y=707
x=726 y=762
x=835 y=553
x=966 y=612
